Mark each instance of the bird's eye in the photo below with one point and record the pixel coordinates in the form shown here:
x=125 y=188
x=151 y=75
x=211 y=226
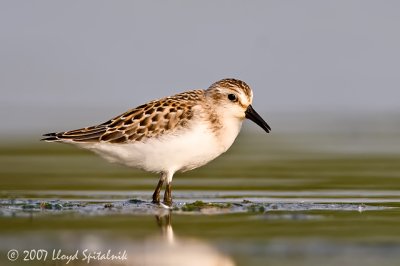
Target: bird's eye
x=232 y=97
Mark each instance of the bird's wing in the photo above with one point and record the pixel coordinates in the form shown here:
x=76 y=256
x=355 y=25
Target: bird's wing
x=148 y=120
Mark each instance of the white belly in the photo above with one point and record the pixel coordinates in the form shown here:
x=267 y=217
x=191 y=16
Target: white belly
x=182 y=151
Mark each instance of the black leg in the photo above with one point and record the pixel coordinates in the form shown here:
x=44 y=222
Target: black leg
x=168 y=194
x=156 y=194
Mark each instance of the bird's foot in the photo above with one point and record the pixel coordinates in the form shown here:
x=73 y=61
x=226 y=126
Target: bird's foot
x=166 y=205
x=167 y=202
x=156 y=200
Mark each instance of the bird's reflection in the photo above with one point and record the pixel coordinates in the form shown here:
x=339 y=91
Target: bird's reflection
x=172 y=250
x=163 y=249
x=165 y=224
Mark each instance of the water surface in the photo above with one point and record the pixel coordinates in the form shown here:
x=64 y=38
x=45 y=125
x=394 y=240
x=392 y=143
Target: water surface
x=266 y=202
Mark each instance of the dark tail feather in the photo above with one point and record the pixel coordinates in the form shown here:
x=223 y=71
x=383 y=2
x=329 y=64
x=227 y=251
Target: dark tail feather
x=50 y=137
x=79 y=135
x=50 y=134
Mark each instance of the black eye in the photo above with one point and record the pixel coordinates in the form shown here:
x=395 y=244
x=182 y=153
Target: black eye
x=232 y=97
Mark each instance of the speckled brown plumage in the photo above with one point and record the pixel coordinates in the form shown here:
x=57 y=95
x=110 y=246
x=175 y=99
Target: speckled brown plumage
x=145 y=121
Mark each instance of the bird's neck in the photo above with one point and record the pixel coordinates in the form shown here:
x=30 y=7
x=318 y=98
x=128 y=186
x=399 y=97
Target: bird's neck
x=229 y=131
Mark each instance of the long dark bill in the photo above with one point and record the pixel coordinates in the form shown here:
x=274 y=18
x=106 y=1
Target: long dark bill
x=256 y=118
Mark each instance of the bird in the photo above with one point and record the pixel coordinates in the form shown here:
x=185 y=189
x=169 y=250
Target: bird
x=172 y=134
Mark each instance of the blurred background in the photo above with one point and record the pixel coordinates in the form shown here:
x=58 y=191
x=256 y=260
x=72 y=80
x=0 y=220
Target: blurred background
x=70 y=64
x=322 y=188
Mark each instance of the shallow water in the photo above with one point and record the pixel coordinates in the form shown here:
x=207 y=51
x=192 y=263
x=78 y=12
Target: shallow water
x=292 y=205
x=229 y=231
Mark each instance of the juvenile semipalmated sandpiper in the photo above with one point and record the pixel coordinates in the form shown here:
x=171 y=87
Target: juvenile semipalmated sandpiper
x=177 y=133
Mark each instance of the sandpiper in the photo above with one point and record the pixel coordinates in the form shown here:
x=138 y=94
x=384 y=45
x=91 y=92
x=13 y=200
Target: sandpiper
x=176 y=133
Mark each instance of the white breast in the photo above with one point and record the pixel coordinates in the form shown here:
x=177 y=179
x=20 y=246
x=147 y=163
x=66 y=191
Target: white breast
x=184 y=150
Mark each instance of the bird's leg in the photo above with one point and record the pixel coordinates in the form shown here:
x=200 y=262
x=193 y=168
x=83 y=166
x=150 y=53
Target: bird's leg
x=156 y=194
x=168 y=194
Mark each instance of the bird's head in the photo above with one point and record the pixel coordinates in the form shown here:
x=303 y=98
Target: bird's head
x=234 y=97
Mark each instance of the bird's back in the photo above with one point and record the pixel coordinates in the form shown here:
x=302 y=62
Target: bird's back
x=146 y=121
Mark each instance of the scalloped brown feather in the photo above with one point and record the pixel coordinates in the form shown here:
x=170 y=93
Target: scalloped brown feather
x=148 y=120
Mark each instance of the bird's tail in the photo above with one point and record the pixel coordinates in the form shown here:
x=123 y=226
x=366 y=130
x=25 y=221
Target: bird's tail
x=50 y=137
x=87 y=134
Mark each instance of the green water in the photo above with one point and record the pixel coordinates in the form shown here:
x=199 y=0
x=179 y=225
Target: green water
x=287 y=200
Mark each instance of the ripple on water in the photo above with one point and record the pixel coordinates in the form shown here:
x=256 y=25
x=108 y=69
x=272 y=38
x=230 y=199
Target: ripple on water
x=202 y=203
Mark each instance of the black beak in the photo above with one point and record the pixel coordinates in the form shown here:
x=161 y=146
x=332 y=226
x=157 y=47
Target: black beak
x=256 y=118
